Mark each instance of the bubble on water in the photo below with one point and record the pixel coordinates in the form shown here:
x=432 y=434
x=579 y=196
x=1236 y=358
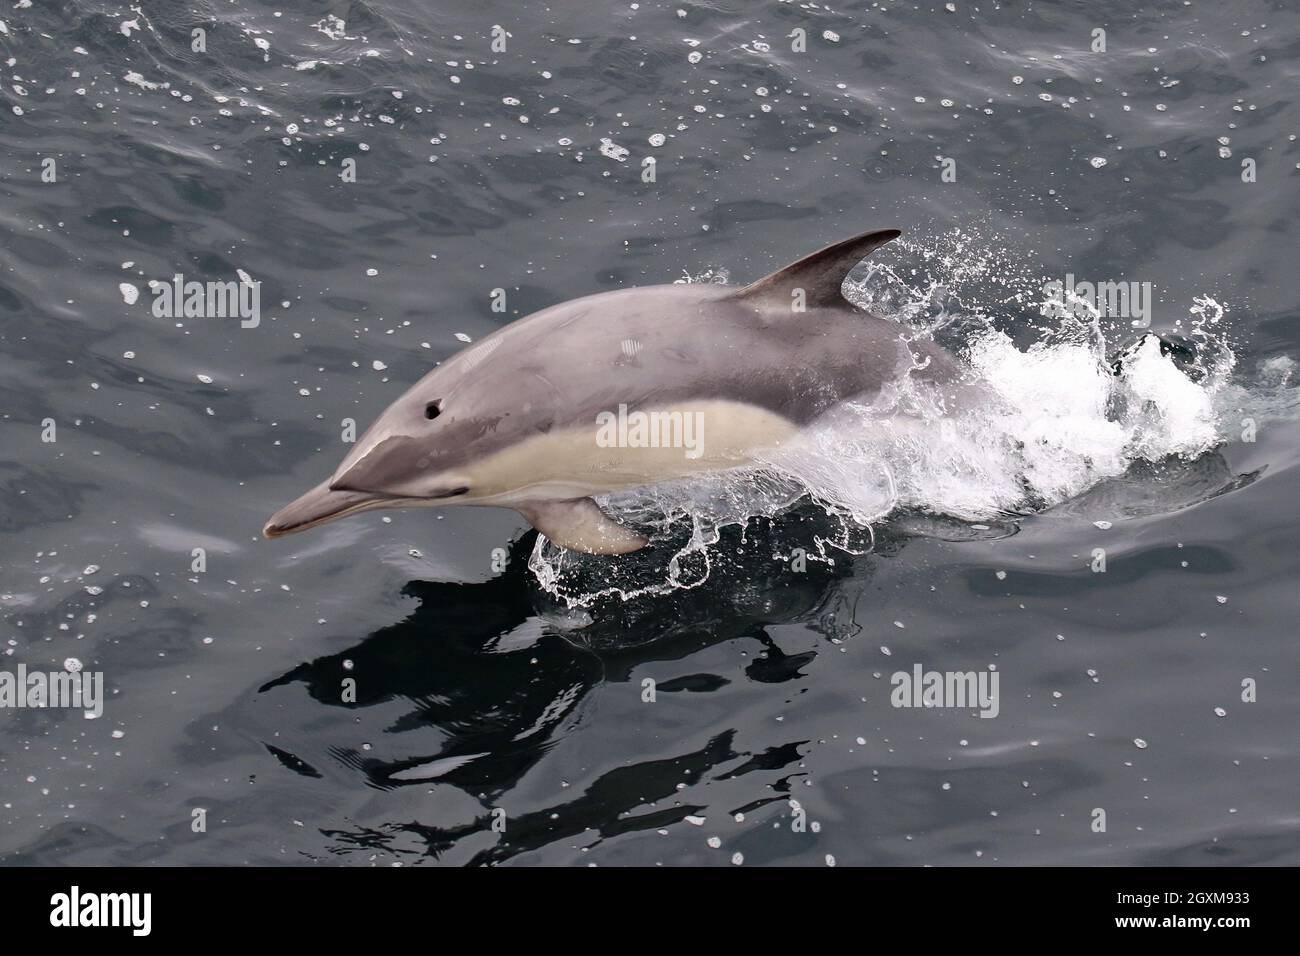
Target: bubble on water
x=332 y=27
x=612 y=150
x=137 y=79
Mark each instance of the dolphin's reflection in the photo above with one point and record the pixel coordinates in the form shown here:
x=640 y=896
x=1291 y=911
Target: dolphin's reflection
x=495 y=672
x=497 y=669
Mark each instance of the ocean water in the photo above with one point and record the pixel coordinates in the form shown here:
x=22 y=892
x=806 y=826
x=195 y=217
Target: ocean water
x=444 y=687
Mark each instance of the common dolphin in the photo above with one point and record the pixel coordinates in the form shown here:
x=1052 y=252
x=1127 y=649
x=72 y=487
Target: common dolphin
x=622 y=390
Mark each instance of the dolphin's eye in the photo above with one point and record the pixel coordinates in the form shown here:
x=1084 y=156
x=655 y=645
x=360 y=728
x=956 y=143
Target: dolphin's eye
x=432 y=410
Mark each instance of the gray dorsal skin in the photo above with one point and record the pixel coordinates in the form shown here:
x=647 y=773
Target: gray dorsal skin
x=512 y=420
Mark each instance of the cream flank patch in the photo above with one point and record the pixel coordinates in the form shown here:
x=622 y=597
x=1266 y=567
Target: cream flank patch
x=572 y=464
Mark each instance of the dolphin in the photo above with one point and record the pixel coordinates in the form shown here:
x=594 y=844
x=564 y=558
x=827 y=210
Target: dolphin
x=621 y=390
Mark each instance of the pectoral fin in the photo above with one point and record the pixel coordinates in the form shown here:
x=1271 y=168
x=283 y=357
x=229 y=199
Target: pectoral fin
x=581 y=526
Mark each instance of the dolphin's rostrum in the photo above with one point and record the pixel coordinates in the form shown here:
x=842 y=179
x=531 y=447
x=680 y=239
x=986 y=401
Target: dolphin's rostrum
x=611 y=391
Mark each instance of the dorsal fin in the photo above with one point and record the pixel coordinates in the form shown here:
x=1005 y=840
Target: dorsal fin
x=820 y=275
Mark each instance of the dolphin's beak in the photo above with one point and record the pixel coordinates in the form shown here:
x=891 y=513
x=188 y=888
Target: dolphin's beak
x=320 y=505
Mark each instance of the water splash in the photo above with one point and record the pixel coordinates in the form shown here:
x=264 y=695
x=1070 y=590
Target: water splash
x=1046 y=415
